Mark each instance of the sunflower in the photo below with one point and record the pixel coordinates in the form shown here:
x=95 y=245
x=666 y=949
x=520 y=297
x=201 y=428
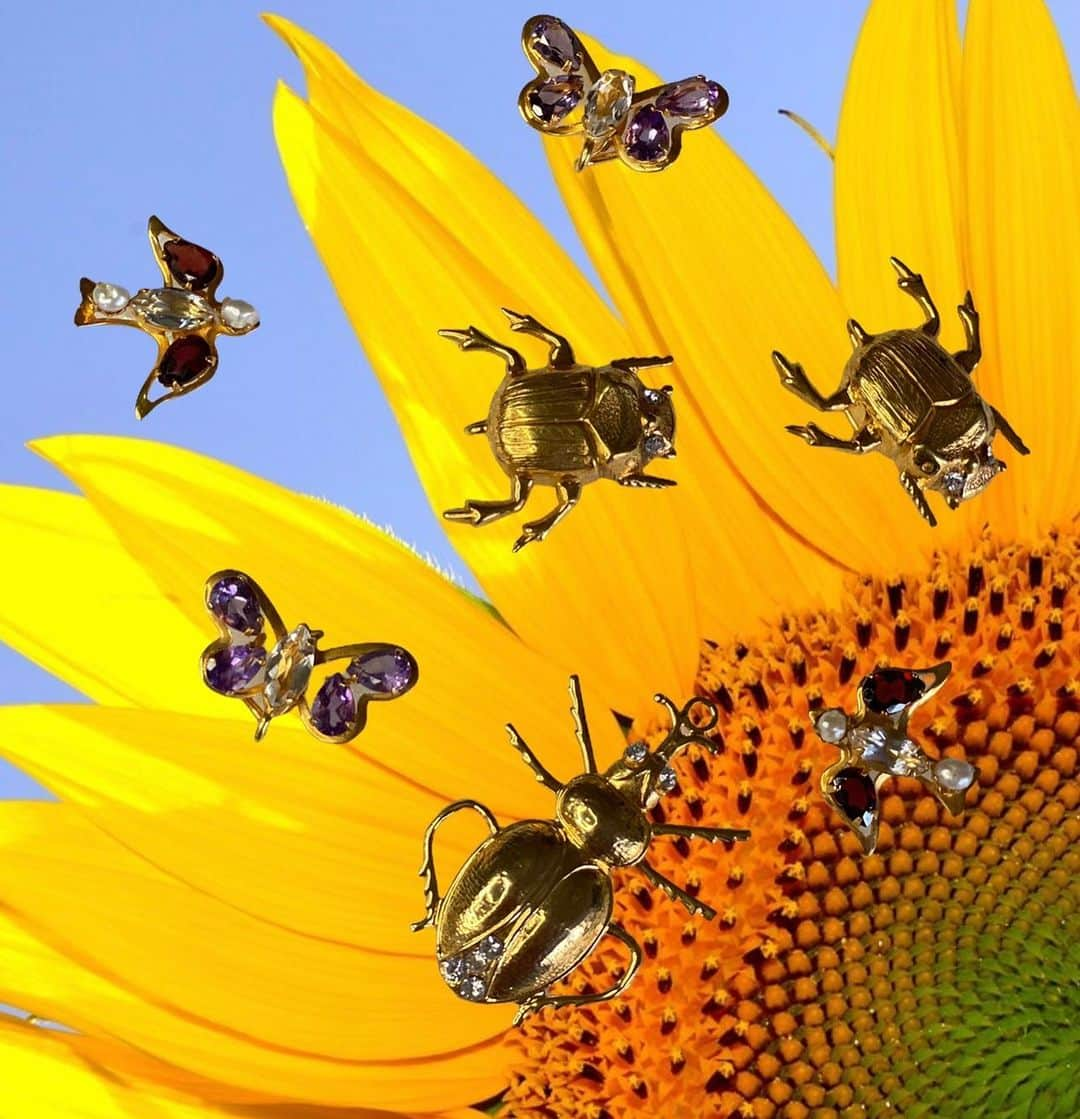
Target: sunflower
x=223 y=929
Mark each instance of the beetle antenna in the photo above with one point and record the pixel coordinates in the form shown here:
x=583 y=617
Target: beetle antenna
x=683 y=730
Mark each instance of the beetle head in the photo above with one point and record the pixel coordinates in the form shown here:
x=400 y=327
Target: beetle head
x=965 y=476
x=642 y=775
x=658 y=423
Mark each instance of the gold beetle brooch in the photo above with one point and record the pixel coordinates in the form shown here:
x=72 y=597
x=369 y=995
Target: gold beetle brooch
x=535 y=898
x=566 y=425
x=909 y=398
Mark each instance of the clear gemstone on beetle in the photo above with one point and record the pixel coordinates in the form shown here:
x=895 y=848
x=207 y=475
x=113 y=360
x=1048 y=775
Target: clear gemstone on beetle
x=653 y=396
x=482 y=954
x=173 y=308
x=608 y=102
x=235 y=668
x=554 y=42
x=387 y=672
x=555 y=98
x=831 y=725
x=667 y=780
x=186 y=359
x=636 y=753
x=288 y=669
x=954 y=774
x=647 y=137
x=333 y=709
x=472 y=988
x=694 y=97
x=655 y=445
x=110 y=298
x=238 y=314
x=452 y=970
x=233 y=600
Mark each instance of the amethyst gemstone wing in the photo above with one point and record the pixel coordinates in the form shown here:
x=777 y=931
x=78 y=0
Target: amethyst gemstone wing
x=647 y=137
x=387 y=672
x=693 y=99
x=333 y=711
x=235 y=668
x=234 y=601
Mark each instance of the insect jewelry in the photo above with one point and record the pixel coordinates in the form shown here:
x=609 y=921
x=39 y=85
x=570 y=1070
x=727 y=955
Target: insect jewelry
x=874 y=746
x=184 y=317
x=909 y=398
x=643 y=129
x=535 y=898
x=566 y=425
x=275 y=681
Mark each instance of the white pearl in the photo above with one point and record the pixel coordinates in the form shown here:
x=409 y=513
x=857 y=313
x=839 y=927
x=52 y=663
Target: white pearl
x=110 y=297
x=236 y=314
x=954 y=774
x=831 y=725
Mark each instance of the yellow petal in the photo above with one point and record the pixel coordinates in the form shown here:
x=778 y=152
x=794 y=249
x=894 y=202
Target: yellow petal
x=700 y=259
x=417 y=236
x=98 y=939
x=1022 y=158
x=82 y=608
x=318 y=841
x=899 y=186
x=183 y=516
x=53 y=1075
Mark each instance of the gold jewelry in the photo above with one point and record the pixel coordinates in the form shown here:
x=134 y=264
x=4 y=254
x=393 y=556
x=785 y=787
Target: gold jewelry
x=570 y=95
x=270 y=683
x=874 y=746
x=184 y=317
x=535 y=898
x=565 y=425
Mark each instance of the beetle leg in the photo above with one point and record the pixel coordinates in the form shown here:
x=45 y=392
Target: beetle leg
x=969 y=357
x=912 y=284
x=473 y=339
x=484 y=512
x=793 y=377
x=862 y=441
x=914 y=491
x=562 y=353
x=568 y=491
x=532 y=761
x=712 y=835
x=688 y=901
x=539 y=1001
x=1006 y=429
x=478 y=428
x=646 y=482
x=427 y=867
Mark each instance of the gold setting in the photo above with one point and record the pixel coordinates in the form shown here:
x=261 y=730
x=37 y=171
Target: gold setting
x=605 y=103
x=909 y=398
x=536 y=897
x=186 y=307
x=565 y=425
x=298 y=655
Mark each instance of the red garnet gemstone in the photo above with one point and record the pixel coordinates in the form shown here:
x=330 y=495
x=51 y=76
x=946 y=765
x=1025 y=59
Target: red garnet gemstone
x=191 y=264
x=184 y=360
x=889 y=690
x=854 y=794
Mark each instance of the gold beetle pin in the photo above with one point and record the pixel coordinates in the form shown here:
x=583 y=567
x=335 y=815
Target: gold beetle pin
x=184 y=317
x=535 y=898
x=909 y=398
x=874 y=746
x=565 y=425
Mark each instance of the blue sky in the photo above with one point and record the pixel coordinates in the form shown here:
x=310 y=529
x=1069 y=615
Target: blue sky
x=111 y=117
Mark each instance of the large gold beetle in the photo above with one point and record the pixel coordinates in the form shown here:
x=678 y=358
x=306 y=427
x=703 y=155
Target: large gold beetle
x=566 y=425
x=535 y=898
x=909 y=398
